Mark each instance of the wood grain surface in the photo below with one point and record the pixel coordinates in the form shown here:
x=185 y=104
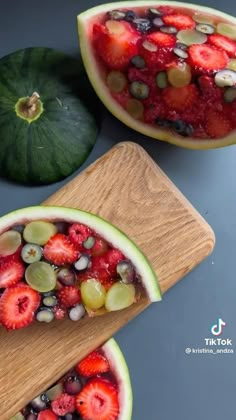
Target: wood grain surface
x=126 y=187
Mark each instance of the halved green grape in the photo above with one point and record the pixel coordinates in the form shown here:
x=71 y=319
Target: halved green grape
x=203 y=18
x=232 y=64
x=226 y=29
x=93 y=293
x=161 y=80
x=31 y=253
x=230 y=94
x=116 y=81
x=39 y=232
x=41 y=276
x=17 y=416
x=120 y=296
x=135 y=108
x=9 y=242
x=190 y=36
x=180 y=75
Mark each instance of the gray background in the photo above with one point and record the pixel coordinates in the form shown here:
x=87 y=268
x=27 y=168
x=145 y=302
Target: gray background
x=167 y=383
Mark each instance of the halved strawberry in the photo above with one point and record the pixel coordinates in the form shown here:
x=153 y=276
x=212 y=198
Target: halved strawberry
x=13 y=257
x=60 y=250
x=166 y=10
x=69 y=296
x=206 y=57
x=98 y=400
x=217 y=124
x=179 y=21
x=47 y=415
x=11 y=273
x=178 y=99
x=161 y=39
x=92 y=365
x=116 y=47
x=223 y=43
x=17 y=306
x=64 y=404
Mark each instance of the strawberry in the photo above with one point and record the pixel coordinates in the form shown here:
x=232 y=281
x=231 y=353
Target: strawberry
x=112 y=257
x=11 y=273
x=17 y=306
x=116 y=47
x=60 y=250
x=223 y=43
x=98 y=400
x=161 y=40
x=156 y=58
x=64 y=404
x=179 y=99
x=46 y=415
x=206 y=58
x=69 y=296
x=78 y=233
x=217 y=124
x=92 y=365
x=179 y=21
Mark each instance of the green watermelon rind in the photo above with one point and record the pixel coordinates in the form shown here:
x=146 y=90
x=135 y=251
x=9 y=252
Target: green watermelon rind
x=102 y=90
x=107 y=230
x=120 y=369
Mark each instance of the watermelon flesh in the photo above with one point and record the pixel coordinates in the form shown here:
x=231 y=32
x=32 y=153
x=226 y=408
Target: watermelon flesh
x=57 y=262
x=167 y=70
x=74 y=383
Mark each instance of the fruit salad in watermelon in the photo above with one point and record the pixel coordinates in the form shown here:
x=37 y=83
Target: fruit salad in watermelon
x=57 y=262
x=97 y=388
x=166 y=69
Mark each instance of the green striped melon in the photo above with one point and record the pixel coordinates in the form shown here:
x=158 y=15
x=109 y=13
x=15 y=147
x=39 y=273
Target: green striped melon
x=209 y=129
x=46 y=130
x=120 y=372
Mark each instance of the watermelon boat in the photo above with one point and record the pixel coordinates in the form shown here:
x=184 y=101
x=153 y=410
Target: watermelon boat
x=166 y=69
x=97 y=388
x=58 y=262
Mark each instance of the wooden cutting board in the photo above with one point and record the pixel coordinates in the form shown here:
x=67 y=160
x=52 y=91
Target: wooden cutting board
x=126 y=187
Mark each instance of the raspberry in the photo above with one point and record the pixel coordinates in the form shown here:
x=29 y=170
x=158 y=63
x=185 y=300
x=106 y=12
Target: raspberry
x=112 y=257
x=200 y=133
x=157 y=60
x=152 y=112
x=78 y=233
x=63 y=405
x=59 y=313
x=122 y=97
x=142 y=75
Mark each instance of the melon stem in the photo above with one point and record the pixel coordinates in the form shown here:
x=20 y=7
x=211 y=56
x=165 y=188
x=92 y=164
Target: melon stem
x=33 y=99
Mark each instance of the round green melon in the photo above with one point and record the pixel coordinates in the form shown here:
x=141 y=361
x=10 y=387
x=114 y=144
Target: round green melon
x=131 y=114
x=46 y=130
x=108 y=231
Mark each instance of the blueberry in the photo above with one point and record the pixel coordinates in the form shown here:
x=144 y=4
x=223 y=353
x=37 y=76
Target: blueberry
x=142 y=25
x=130 y=16
x=164 y=123
x=183 y=128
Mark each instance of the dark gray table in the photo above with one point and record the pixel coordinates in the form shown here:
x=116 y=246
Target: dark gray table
x=167 y=383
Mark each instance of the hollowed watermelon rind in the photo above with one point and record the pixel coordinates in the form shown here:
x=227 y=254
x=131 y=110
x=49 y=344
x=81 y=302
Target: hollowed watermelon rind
x=104 y=94
x=120 y=369
x=108 y=231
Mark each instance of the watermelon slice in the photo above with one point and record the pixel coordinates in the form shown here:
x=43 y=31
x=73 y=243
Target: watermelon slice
x=57 y=262
x=113 y=387
x=142 y=57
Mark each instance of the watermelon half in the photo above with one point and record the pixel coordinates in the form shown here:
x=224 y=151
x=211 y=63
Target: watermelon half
x=57 y=261
x=117 y=375
x=182 y=87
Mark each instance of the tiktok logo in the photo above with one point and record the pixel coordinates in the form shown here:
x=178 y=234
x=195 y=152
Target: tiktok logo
x=217 y=328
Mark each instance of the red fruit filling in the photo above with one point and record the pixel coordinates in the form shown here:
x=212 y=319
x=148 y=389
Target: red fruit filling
x=57 y=272
x=90 y=390
x=167 y=68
